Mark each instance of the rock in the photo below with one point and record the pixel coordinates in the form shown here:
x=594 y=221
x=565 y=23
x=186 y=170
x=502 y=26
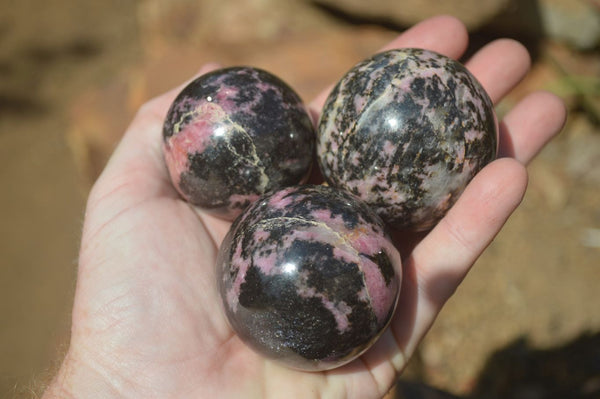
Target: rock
x=576 y=22
x=590 y=238
x=583 y=152
x=405 y=131
x=235 y=134
x=474 y=13
x=309 y=277
x=163 y=24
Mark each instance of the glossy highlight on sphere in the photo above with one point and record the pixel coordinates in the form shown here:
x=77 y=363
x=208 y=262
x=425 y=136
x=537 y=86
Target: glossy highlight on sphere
x=308 y=277
x=233 y=135
x=405 y=131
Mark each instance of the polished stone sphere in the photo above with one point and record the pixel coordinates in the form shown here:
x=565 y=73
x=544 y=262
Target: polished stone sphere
x=308 y=277
x=233 y=135
x=406 y=130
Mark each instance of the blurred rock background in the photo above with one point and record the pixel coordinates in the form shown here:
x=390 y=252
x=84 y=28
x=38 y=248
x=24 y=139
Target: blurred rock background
x=525 y=323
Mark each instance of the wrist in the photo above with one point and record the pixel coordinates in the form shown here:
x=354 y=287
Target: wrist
x=77 y=379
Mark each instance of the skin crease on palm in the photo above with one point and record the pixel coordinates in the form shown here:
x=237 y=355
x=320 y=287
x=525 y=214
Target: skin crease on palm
x=147 y=322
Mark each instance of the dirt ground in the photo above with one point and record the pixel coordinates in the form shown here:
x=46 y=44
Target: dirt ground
x=526 y=321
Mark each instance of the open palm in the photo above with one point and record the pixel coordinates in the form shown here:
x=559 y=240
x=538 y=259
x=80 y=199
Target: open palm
x=147 y=321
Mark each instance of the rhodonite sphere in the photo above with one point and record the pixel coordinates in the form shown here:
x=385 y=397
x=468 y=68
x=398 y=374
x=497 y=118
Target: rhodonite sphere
x=309 y=277
x=405 y=131
x=233 y=135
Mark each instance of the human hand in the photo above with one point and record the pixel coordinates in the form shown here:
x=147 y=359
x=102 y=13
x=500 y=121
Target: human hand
x=147 y=318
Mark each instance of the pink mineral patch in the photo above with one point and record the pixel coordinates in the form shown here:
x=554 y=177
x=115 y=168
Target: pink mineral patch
x=473 y=135
x=242 y=264
x=380 y=295
x=177 y=162
x=267 y=263
x=191 y=138
x=224 y=96
x=279 y=199
x=340 y=312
